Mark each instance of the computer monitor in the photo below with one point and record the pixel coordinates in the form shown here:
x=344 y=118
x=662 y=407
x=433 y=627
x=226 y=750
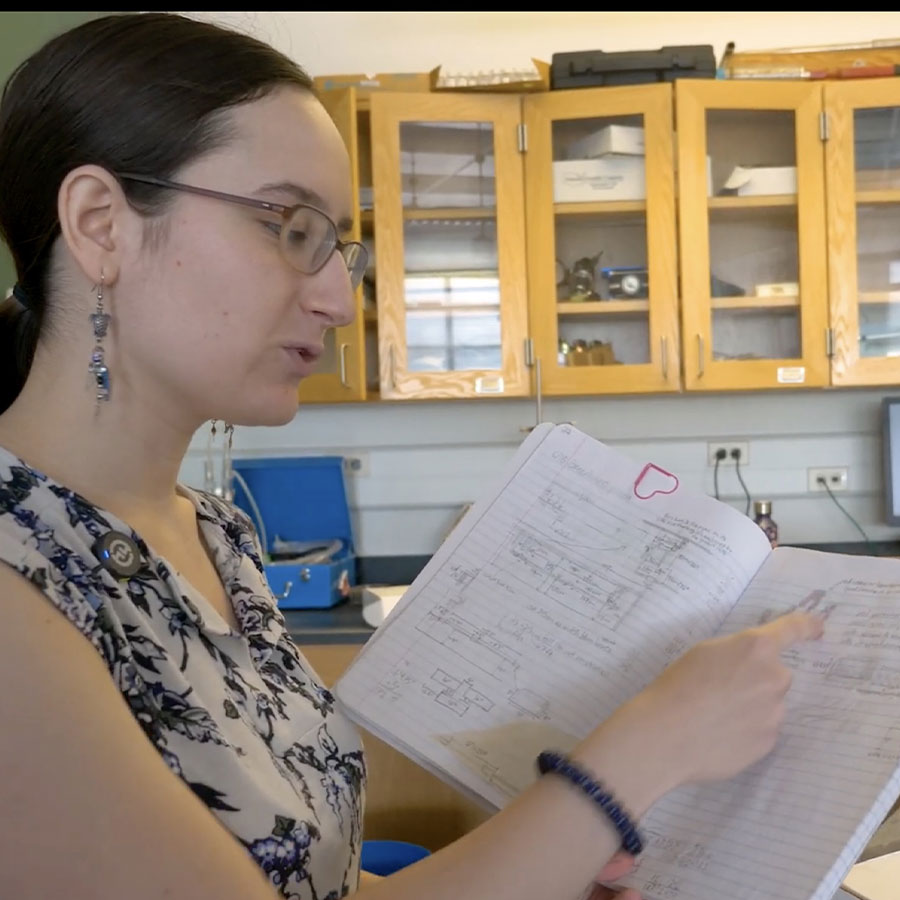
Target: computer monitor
x=890 y=432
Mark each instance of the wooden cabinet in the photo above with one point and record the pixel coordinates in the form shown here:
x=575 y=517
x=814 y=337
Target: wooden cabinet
x=450 y=227
x=862 y=157
x=341 y=374
x=404 y=802
x=753 y=253
x=601 y=248
x=758 y=251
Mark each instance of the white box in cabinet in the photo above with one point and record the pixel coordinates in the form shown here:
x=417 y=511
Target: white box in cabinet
x=757 y=180
x=625 y=139
x=605 y=178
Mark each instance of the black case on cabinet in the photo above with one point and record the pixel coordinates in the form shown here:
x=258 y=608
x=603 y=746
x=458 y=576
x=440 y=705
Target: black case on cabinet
x=596 y=68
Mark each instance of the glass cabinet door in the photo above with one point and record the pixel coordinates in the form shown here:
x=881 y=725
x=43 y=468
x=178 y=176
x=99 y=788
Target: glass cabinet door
x=863 y=172
x=340 y=374
x=601 y=240
x=450 y=279
x=752 y=235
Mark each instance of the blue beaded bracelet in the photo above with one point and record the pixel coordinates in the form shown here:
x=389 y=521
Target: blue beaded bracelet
x=550 y=761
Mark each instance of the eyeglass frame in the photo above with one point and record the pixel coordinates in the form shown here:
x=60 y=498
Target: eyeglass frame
x=278 y=208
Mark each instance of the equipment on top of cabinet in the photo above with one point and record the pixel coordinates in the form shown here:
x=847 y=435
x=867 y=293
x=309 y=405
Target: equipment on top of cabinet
x=596 y=68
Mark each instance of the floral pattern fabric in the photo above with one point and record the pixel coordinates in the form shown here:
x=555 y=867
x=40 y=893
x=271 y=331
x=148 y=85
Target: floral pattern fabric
x=240 y=716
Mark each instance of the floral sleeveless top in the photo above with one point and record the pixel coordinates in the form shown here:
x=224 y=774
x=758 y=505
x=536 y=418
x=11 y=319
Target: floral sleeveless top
x=240 y=717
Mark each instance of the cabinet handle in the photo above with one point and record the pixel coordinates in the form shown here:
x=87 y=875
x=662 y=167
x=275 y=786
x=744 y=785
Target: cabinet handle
x=701 y=356
x=664 y=353
x=287 y=591
x=343 y=361
x=538 y=397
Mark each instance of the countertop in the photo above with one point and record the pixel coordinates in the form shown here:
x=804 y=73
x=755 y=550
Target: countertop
x=342 y=624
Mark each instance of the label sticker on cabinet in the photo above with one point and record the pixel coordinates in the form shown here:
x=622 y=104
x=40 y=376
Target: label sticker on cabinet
x=791 y=374
x=489 y=384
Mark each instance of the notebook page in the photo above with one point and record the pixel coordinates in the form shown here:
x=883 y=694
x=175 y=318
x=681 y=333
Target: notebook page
x=564 y=596
x=531 y=443
x=793 y=825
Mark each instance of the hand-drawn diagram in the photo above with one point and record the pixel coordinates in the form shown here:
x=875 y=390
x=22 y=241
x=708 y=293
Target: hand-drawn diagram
x=462 y=577
x=530 y=702
x=395 y=683
x=867 y=675
x=478 y=645
x=585 y=587
x=459 y=694
x=659 y=556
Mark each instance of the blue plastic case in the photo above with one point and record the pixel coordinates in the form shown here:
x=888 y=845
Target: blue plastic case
x=301 y=499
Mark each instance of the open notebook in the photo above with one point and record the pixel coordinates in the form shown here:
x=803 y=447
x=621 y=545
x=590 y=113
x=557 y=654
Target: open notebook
x=568 y=588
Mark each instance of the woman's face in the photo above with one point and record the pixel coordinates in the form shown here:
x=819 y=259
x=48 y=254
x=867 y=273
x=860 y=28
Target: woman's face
x=215 y=319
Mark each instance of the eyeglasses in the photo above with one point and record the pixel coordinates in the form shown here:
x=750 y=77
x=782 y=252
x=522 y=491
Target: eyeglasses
x=307 y=235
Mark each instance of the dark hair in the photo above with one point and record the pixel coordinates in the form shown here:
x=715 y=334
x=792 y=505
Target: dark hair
x=136 y=92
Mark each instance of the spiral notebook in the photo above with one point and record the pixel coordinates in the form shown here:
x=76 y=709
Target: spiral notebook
x=569 y=587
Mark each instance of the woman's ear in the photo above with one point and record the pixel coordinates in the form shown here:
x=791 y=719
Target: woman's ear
x=95 y=218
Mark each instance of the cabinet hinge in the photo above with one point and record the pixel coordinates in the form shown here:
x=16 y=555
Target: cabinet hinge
x=829 y=342
x=529 y=352
x=522 y=134
x=824 y=130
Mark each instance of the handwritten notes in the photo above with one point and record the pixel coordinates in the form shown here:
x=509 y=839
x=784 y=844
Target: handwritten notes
x=566 y=591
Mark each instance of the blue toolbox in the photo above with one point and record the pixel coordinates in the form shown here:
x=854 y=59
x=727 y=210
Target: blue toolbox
x=299 y=508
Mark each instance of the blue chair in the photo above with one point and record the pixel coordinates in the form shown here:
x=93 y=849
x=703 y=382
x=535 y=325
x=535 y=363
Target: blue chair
x=385 y=857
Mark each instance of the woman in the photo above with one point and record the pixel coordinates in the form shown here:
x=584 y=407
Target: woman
x=173 y=195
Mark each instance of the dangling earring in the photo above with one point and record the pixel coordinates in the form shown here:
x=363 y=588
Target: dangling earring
x=98 y=368
x=227 y=472
x=224 y=487
x=209 y=471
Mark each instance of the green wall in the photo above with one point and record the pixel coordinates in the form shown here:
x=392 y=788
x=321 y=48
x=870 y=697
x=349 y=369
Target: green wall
x=21 y=33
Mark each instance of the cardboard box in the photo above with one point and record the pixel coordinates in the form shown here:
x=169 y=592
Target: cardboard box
x=625 y=139
x=604 y=178
x=505 y=81
x=367 y=84
x=827 y=60
x=758 y=180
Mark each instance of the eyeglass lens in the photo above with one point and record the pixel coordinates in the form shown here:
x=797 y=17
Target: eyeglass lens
x=309 y=238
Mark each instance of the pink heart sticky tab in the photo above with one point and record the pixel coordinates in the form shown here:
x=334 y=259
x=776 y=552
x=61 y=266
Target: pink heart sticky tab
x=654 y=480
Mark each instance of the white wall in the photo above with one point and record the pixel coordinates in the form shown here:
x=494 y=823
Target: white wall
x=422 y=461
x=372 y=42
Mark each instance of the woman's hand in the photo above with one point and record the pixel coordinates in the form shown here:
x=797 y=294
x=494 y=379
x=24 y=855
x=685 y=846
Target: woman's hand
x=621 y=864
x=718 y=708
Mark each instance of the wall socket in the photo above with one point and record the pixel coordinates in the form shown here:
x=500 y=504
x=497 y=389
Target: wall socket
x=357 y=465
x=727 y=446
x=835 y=477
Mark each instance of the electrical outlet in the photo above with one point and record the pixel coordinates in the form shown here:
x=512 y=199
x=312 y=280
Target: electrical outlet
x=357 y=465
x=835 y=477
x=727 y=446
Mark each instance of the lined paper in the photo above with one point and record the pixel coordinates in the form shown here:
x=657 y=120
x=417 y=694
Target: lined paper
x=567 y=590
x=553 y=602
x=795 y=823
